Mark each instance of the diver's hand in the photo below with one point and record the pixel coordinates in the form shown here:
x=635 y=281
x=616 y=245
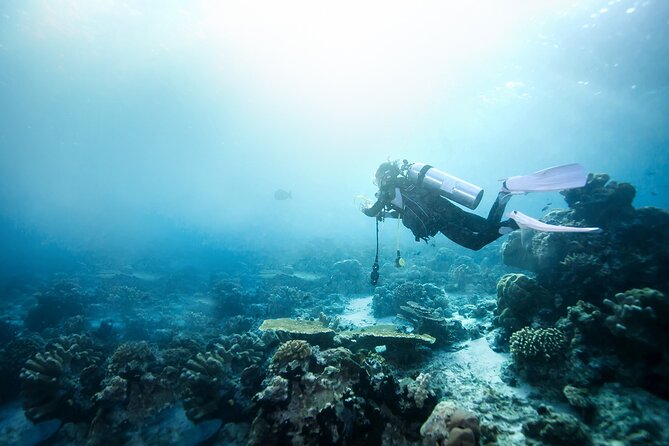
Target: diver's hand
x=366 y=210
x=363 y=202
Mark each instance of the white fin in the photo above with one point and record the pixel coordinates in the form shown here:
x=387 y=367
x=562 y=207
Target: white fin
x=525 y=222
x=555 y=178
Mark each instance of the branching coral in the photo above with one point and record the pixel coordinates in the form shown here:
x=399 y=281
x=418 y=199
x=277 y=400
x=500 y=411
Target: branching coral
x=59 y=383
x=209 y=388
x=418 y=390
x=640 y=315
x=218 y=382
x=537 y=344
x=149 y=382
x=132 y=359
x=294 y=350
x=241 y=351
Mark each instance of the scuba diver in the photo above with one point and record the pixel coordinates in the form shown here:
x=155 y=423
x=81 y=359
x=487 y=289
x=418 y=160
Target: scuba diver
x=421 y=195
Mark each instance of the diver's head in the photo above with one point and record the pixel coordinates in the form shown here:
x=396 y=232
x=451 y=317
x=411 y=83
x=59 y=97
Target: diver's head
x=386 y=174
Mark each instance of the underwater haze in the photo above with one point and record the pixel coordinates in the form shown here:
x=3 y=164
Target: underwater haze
x=128 y=122
x=175 y=177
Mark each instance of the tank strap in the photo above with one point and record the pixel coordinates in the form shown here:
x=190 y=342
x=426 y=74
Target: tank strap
x=421 y=174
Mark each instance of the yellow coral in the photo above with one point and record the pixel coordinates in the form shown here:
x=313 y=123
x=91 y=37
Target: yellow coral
x=537 y=343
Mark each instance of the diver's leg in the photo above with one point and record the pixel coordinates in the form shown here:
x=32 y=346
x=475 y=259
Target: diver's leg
x=497 y=210
x=473 y=231
x=466 y=229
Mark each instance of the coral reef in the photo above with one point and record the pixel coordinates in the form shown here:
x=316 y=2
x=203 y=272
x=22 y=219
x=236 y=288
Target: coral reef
x=628 y=416
x=312 y=331
x=601 y=202
x=551 y=428
x=640 y=315
x=211 y=392
x=264 y=351
x=12 y=359
x=62 y=300
x=631 y=252
x=138 y=385
x=388 y=300
x=639 y=323
x=283 y=301
x=449 y=425
x=520 y=300
x=230 y=298
x=328 y=397
x=348 y=277
x=385 y=335
x=242 y=350
x=60 y=382
x=425 y=320
x=417 y=390
x=289 y=351
x=7 y=331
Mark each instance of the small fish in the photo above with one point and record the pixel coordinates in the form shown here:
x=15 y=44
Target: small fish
x=545 y=208
x=281 y=194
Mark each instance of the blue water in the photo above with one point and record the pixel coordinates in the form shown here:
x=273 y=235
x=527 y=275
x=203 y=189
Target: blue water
x=142 y=144
x=125 y=125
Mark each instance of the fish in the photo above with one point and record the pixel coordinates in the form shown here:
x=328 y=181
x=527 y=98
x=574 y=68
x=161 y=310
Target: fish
x=281 y=194
x=545 y=208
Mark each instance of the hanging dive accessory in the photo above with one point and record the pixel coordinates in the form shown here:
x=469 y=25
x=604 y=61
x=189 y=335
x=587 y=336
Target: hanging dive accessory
x=374 y=276
x=453 y=188
x=399 y=261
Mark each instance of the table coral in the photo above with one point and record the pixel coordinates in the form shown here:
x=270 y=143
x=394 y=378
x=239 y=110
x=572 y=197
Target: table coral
x=286 y=329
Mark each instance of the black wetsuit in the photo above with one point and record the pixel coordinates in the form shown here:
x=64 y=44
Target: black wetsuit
x=426 y=213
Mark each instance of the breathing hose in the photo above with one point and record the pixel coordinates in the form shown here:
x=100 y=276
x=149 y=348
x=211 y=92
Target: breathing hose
x=399 y=261
x=374 y=277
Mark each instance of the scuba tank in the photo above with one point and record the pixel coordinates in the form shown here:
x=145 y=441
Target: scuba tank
x=453 y=188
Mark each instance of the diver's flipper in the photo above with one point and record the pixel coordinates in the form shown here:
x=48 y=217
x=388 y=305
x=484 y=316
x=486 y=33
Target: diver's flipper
x=525 y=222
x=556 y=178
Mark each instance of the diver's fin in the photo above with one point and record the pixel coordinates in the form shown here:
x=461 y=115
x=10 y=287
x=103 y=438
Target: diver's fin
x=555 y=178
x=525 y=222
